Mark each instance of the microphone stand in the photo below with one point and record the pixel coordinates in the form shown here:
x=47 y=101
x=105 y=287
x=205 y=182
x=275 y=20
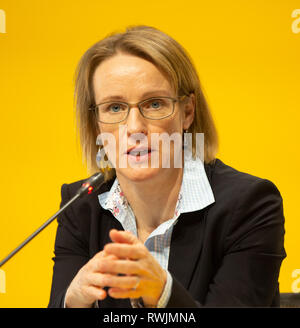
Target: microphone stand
x=91 y=185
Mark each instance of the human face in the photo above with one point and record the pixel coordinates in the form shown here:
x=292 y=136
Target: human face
x=131 y=79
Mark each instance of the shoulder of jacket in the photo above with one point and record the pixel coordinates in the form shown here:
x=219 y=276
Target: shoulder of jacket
x=74 y=186
x=229 y=184
x=225 y=174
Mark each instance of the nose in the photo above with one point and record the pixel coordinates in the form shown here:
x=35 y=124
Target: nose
x=136 y=123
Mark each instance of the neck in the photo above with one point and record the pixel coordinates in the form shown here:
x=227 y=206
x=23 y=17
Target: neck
x=153 y=201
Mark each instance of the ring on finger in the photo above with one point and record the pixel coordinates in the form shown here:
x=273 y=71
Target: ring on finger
x=137 y=284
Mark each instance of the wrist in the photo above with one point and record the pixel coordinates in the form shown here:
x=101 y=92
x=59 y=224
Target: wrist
x=72 y=300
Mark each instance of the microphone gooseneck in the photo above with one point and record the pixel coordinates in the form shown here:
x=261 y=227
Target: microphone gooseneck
x=89 y=186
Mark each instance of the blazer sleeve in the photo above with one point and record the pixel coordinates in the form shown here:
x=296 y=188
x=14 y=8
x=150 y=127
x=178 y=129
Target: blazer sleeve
x=70 y=250
x=253 y=249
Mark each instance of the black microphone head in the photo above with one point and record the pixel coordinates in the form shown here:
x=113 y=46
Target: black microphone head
x=92 y=184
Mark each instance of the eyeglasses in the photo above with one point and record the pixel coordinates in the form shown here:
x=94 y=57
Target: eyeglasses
x=155 y=108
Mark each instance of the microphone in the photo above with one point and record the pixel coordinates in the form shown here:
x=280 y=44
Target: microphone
x=88 y=187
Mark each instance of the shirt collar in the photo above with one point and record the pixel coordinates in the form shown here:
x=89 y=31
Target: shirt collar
x=195 y=188
x=195 y=193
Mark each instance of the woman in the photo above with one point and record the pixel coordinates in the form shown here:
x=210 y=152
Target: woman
x=196 y=234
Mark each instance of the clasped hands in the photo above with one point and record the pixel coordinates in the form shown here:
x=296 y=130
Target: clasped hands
x=125 y=266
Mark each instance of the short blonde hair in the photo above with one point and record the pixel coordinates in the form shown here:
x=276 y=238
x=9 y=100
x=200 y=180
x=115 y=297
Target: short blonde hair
x=165 y=53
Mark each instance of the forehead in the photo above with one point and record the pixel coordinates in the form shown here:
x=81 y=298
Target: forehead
x=128 y=76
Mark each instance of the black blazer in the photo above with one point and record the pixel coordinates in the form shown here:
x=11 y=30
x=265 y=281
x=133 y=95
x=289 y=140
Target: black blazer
x=227 y=254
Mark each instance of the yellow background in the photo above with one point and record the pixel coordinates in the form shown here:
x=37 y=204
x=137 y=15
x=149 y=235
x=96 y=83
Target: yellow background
x=248 y=61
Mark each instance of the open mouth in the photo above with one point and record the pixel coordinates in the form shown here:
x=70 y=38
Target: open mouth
x=139 y=154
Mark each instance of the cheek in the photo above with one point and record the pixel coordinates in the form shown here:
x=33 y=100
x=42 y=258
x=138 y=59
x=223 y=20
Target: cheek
x=106 y=130
x=109 y=138
x=171 y=145
x=172 y=125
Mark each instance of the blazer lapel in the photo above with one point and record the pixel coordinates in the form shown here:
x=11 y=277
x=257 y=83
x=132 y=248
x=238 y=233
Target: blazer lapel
x=187 y=242
x=186 y=245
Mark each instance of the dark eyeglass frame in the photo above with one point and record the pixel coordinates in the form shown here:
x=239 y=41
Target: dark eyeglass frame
x=138 y=104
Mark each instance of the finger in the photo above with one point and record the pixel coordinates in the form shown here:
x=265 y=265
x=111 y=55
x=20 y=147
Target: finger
x=121 y=266
x=119 y=236
x=133 y=252
x=95 y=264
x=109 y=280
x=124 y=293
x=100 y=254
x=103 y=254
x=94 y=292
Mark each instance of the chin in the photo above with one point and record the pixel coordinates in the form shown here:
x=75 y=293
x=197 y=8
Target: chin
x=138 y=174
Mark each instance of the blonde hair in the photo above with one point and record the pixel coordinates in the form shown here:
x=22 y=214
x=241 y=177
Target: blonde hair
x=165 y=53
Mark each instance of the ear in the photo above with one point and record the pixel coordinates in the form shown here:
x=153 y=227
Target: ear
x=188 y=111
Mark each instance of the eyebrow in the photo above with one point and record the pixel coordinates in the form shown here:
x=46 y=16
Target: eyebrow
x=146 y=94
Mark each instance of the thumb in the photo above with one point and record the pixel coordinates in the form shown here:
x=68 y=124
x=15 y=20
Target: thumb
x=123 y=237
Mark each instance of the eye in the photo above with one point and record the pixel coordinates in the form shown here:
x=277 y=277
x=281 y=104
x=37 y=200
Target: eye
x=116 y=108
x=156 y=104
x=153 y=104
